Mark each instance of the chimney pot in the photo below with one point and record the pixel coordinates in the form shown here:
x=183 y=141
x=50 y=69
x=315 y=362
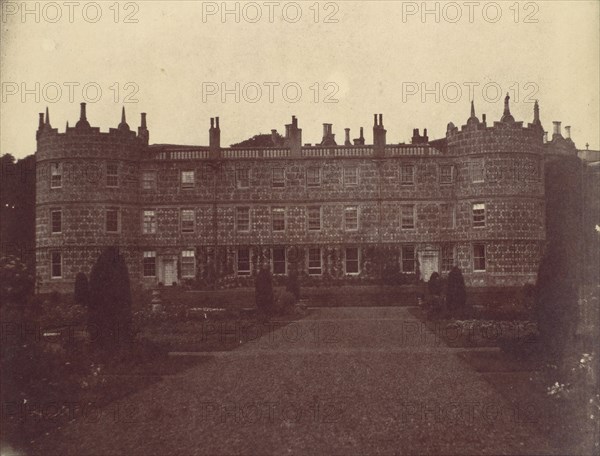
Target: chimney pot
x=375 y=120
x=381 y=120
x=568 y=131
x=483 y=118
x=41 y=124
x=212 y=122
x=143 y=120
x=217 y=122
x=82 y=114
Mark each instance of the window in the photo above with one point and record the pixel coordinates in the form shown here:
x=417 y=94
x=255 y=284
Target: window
x=350 y=175
x=313 y=177
x=56 y=221
x=56 y=265
x=479 y=257
x=149 y=224
x=243 y=178
x=149 y=264
x=314 y=261
x=188 y=179
x=477 y=170
x=112 y=174
x=243 y=261
x=478 y=215
x=278 y=218
x=188 y=220
x=112 y=220
x=447 y=216
x=408 y=258
x=278 y=260
x=407 y=175
x=278 y=178
x=149 y=180
x=447 y=258
x=352 y=260
x=407 y=216
x=242 y=218
x=314 y=218
x=188 y=264
x=446 y=174
x=55 y=175
x=351 y=218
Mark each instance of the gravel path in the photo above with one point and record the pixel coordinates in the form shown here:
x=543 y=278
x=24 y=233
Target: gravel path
x=343 y=381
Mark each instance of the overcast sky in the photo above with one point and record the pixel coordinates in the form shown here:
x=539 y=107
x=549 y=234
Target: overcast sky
x=368 y=57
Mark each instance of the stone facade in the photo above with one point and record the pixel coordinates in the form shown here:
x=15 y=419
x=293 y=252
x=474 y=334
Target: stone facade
x=209 y=214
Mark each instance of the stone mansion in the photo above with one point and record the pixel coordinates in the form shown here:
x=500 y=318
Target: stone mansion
x=348 y=211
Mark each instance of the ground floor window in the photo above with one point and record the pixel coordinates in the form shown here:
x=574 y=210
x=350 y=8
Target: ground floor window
x=479 y=257
x=352 y=266
x=314 y=261
x=279 y=260
x=447 y=258
x=408 y=258
x=149 y=264
x=56 y=265
x=243 y=261
x=188 y=264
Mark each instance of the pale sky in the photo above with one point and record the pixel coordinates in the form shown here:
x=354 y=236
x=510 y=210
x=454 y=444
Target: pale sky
x=371 y=60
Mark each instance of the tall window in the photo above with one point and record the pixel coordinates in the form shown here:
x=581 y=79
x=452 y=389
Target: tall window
x=188 y=220
x=350 y=175
x=112 y=220
x=313 y=176
x=55 y=175
x=479 y=257
x=477 y=170
x=408 y=258
x=314 y=261
x=188 y=179
x=242 y=218
x=149 y=264
x=243 y=261
x=278 y=218
x=351 y=218
x=112 y=174
x=407 y=175
x=407 y=216
x=447 y=258
x=478 y=215
x=352 y=260
x=278 y=260
x=56 y=221
x=243 y=177
x=447 y=216
x=149 y=224
x=188 y=264
x=314 y=218
x=149 y=180
x=446 y=174
x=56 y=265
x=278 y=178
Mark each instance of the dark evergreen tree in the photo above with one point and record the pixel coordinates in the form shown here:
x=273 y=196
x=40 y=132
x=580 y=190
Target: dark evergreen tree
x=292 y=284
x=109 y=308
x=456 y=293
x=81 y=290
x=435 y=284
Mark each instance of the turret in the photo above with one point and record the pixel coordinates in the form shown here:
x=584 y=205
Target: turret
x=506 y=116
x=123 y=125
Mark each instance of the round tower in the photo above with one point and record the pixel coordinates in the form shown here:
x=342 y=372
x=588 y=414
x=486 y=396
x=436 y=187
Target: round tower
x=86 y=195
x=500 y=198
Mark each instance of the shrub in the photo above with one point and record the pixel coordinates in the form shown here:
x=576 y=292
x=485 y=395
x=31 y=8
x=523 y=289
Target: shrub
x=16 y=281
x=456 y=294
x=109 y=309
x=81 y=291
x=286 y=303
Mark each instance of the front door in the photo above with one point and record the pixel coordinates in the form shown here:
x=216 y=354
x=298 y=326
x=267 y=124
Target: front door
x=429 y=262
x=169 y=272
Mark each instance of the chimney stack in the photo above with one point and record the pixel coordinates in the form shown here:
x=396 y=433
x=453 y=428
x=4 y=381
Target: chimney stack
x=545 y=137
x=379 y=137
x=347 y=140
x=556 y=129
x=568 y=132
x=143 y=129
x=214 y=138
